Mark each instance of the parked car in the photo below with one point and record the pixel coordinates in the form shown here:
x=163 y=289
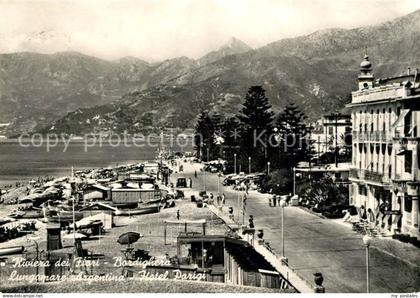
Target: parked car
x=181 y=182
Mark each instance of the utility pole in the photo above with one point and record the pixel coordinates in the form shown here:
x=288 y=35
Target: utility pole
x=319 y=151
x=336 y=115
x=234 y=162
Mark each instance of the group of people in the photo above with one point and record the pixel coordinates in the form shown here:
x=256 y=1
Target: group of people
x=275 y=200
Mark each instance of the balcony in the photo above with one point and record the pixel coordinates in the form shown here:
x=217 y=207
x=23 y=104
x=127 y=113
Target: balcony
x=374 y=176
x=376 y=136
x=405 y=177
x=369 y=176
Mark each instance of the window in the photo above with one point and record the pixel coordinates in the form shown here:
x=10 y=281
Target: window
x=408 y=204
x=408 y=161
x=407 y=124
x=362 y=190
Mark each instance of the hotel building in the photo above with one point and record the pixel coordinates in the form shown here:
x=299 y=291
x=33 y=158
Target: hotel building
x=385 y=171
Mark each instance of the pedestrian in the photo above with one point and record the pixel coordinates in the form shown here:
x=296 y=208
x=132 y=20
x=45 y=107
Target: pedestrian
x=178 y=214
x=223 y=199
x=274 y=200
x=195 y=173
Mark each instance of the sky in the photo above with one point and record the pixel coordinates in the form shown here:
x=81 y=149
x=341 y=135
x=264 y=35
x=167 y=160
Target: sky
x=155 y=30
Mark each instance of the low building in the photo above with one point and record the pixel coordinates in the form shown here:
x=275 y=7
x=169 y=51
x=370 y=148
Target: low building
x=338 y=173
x=217 y=258
x=131 y=196
x=96 y=192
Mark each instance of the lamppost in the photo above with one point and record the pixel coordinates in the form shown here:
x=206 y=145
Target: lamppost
x=204 y=179
x=218 y=183
x=2 y=264
x=234 y=162
x=366 y=240
x=34 y=239
x=268 y=168
x=249 y=164
x=282 y=205
x=294 y=181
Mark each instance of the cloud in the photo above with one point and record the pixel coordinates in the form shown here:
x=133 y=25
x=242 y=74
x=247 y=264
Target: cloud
x=160 y=29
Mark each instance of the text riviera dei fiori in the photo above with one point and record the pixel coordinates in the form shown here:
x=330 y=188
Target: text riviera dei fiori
x=81 y=262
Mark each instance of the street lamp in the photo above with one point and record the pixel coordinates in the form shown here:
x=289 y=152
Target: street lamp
x=282 y=205
x=366 y=241
x=234 y=162
x=294 y=181
x=35 y=240
x=218 y=183
x=268 y=168
x=249 y=164
x=204 y=179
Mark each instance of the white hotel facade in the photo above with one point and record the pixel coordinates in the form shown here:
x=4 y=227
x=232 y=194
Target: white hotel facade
x=385 y=171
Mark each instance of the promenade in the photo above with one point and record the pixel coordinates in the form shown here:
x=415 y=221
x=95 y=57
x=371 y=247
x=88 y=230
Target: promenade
x=314 y=244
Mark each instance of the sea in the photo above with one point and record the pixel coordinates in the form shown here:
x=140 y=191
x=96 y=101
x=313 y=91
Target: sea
x=23 y=160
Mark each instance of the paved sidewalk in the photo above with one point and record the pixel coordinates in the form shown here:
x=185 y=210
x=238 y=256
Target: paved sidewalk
x=313 y=244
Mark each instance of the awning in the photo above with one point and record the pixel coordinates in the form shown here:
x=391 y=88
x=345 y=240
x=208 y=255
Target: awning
x=400 y=119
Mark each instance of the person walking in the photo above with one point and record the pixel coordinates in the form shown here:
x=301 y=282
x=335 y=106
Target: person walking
x=223 y=199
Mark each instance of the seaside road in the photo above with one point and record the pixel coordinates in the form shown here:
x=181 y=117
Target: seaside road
x=313 y=244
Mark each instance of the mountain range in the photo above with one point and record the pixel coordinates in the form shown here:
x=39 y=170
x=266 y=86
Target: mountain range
x=70 y=92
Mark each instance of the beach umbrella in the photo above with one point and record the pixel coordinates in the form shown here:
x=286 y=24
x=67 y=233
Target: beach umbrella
x=129 y=238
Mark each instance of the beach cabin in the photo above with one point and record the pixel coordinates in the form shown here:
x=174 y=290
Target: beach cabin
x=101 y=212
x=131 y=196
x=151 y=168
x=96 y=192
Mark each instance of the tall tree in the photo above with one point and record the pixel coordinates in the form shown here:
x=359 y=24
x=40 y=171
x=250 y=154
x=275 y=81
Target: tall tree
x=231 y=142
x=293 y=136
x=204 y=139
x=256 y=120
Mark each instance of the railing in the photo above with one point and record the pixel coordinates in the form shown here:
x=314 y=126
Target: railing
x=369 y=176
x=376 y=136
x=405 y=176
x=374 y=176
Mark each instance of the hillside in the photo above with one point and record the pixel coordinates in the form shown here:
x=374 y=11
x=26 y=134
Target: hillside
x=317 y=72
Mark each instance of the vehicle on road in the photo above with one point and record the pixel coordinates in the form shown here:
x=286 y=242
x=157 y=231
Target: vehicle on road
x=181 y=182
